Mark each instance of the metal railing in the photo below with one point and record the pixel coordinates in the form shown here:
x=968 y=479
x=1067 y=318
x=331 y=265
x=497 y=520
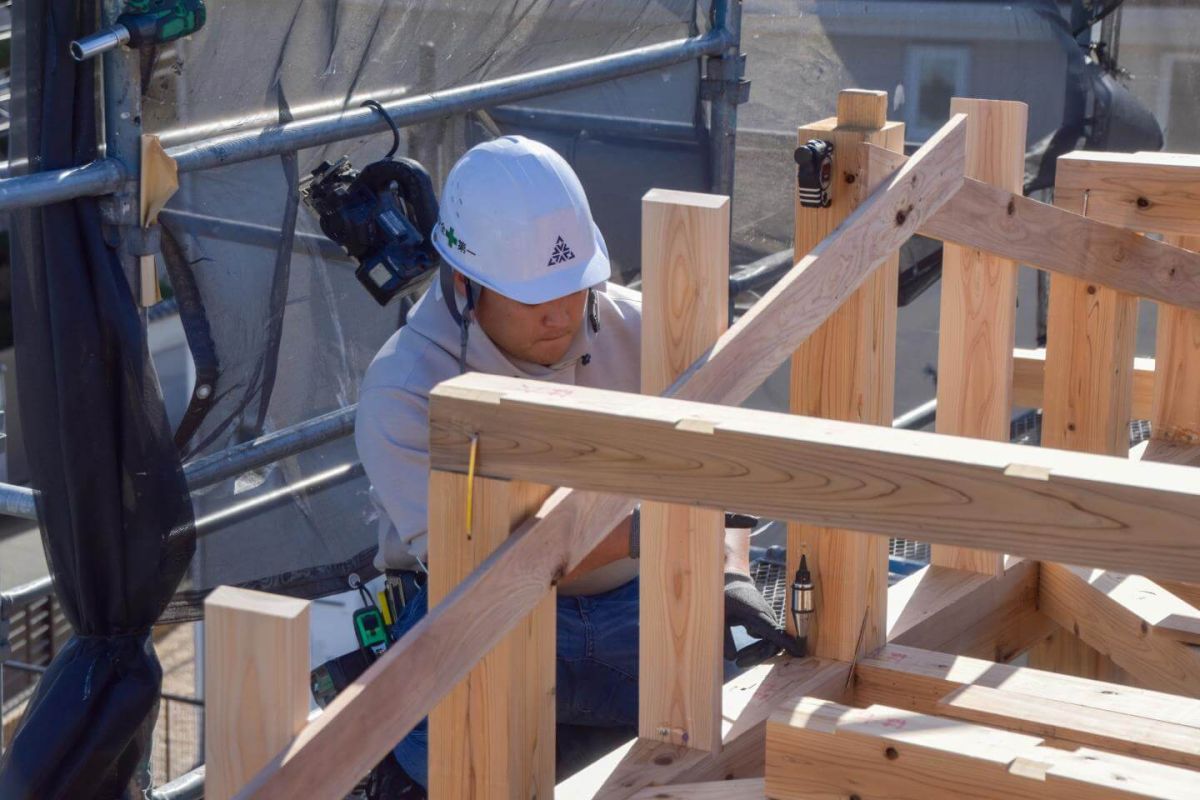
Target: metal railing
x=109 y=174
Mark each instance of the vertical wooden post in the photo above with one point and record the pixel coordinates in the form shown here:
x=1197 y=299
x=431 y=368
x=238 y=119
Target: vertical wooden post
x=1088 y=397
x=846 y=371
x=493 y=735
x=256 y=691
x=979 y=309
x=685 y=307
x=1175 y=414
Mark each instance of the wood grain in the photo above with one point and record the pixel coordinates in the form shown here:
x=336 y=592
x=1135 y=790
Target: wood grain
x=1071 y=724
x=685 y=308
x=439 y=651
x=917 y=679
x=745 y=789
x=846 y=370
x=966 y=612
x=256 y=690
x=748 y=700
x=977 y=323
x=1033 y=502
x=1091 y=331
x=820 y=749
x=1055 y=239
x=1166 y=184
x=1029 y=376
x=492 y=736
x=1093 y=605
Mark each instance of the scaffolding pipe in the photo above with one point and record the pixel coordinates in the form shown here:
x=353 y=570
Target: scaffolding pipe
x=108 y=175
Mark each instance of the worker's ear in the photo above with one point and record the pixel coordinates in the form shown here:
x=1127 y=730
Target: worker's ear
x=460 y=284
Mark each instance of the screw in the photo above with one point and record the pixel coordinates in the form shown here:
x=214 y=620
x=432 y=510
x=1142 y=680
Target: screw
x=203 y=391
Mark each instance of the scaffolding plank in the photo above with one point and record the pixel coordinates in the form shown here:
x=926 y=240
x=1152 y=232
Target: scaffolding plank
x=977 y=322
x=846 y=370
x=685 y=309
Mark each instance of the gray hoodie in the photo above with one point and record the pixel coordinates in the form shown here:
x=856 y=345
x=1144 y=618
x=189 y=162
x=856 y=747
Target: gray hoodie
x=391 y=429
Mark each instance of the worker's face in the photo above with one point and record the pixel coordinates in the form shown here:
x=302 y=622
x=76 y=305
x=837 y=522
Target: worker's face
x=539 y=333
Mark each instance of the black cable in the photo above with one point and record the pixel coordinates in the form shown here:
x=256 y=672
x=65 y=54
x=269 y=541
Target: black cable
x=374 y=105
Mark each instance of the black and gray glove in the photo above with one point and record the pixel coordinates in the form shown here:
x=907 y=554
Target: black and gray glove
x=745 y=606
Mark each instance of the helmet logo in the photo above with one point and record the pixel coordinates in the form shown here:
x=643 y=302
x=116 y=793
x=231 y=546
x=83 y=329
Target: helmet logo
x=453 y=240
x=561 y=253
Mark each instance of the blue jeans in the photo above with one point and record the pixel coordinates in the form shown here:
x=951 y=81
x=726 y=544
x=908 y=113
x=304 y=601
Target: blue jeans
x=596 y=673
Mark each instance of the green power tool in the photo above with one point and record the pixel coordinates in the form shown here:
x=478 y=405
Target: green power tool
x=142 y=23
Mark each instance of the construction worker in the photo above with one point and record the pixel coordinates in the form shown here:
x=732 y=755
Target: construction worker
x=523 y=292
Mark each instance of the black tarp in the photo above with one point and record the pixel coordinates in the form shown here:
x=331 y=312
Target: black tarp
x=116 y=519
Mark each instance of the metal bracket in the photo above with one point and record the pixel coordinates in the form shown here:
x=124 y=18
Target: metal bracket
x=723 y=80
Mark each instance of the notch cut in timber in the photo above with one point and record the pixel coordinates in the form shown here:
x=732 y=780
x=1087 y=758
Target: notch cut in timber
x=487 y=604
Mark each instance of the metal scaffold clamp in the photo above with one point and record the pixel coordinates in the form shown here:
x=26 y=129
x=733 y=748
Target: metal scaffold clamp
x=723 y=80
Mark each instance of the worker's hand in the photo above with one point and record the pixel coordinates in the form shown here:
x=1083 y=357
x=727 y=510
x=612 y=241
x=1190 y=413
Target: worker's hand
x=745 y=606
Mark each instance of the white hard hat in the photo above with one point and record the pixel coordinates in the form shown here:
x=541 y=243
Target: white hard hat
x=514 y=218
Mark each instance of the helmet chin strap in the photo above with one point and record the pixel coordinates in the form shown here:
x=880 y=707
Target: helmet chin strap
x=463 y=319
x=593 y=311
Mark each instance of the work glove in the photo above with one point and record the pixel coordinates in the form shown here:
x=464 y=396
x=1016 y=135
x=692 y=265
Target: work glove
x=745 y=606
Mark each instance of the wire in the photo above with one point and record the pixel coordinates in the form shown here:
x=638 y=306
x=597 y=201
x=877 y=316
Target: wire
x=375 y=106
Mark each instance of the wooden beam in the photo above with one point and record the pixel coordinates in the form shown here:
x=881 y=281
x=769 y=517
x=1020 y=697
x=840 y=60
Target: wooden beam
x=256 y=691
x=745 y=789
x=1069 y=710
x=1057 y=240
x=846 y=370
x=1069 y=724
x=493 y=734
x=978 y=315
x=917 y=680
x=1097 y=607
x=796 y=306
x=1175 y=417
x=816 y=748
x=685 y=308
x=1091 y=331
x=748 y=700
x=1152 y=192
x=1029 y=376
x=957 y=611
x=1033 y=502
x=439 y=651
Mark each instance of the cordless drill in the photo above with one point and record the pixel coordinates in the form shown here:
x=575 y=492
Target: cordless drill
x=144 y=22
